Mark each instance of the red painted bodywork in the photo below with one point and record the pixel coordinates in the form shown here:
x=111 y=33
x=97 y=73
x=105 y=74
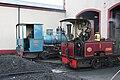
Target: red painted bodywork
x=70 y=47
x=71 y=62
x=89 y=50
x=98 y=46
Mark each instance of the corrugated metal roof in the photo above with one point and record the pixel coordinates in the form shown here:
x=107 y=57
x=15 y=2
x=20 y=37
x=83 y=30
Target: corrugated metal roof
x=18 y=2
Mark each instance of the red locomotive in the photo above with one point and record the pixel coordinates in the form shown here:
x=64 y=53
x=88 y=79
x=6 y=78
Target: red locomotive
x=83 y=49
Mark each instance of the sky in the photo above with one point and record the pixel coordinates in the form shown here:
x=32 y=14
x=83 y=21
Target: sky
x=53 y=2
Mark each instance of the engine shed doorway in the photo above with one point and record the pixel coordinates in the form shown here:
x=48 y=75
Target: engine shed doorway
x=114 y=22
x=91 y=14
x=114 y=26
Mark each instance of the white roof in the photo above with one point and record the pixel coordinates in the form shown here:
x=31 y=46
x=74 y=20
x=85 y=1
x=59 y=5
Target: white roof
x=25 y=3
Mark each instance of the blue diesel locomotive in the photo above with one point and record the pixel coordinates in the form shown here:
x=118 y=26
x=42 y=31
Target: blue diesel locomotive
x=32 y=43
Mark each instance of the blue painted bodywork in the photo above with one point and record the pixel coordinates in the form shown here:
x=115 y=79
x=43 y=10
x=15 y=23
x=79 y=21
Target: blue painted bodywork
x=49 y=38
x=54 y=39
x=21 y=44
x=36 y=44
x=38 y=31
x=20 y=41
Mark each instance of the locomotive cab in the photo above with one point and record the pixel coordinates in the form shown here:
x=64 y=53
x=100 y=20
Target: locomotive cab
x=81 y=32
x=29 y=38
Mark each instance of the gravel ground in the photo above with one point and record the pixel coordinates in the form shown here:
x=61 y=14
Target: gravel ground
x=13 y=64
x=13 y=67
x=99 y=74
x=89 y=73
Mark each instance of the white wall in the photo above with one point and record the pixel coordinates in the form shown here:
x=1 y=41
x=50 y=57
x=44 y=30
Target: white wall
x=9 y=19
x=74 y=7
x=47 y=18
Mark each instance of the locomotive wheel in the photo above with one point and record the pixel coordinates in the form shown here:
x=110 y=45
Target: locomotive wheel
x=110 y=62
x=68 y=65
x=45 y=55
x=96 y=63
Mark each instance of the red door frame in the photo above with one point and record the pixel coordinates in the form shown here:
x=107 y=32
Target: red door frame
x=91 y=9
x=109 y=16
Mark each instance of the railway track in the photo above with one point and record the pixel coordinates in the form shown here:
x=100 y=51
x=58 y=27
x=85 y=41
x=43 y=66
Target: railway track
x=21 y=73
x=49 y=61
